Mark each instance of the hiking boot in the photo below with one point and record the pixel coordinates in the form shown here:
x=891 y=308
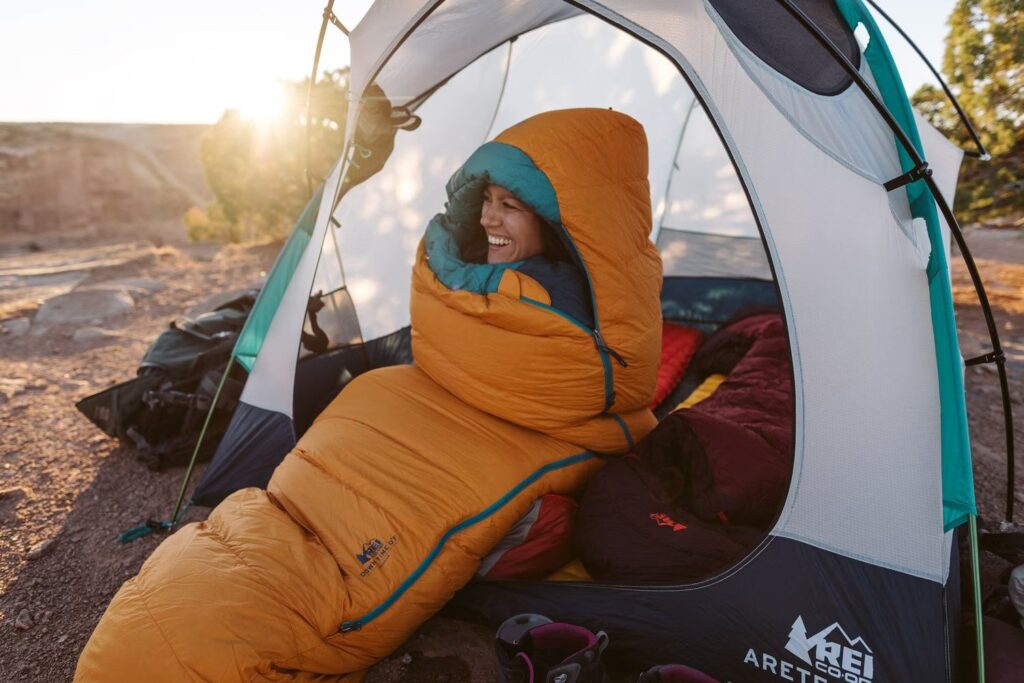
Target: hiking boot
x=674 y=673
x=533 y=649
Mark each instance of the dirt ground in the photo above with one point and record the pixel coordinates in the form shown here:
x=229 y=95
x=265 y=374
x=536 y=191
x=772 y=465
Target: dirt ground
x=66 y=490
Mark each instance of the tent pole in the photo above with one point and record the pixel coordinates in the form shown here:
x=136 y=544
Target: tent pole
x=976 y=580
x=328 y=13
x=981 y=152
x=199 y=443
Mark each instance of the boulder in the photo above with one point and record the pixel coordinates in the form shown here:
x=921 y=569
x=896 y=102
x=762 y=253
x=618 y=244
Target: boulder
x=15 y=327
x=90 y=333
x=85 y=305
x=136 y=286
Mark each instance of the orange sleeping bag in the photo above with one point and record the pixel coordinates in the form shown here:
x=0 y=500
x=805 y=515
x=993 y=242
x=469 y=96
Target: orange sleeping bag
x=389 y=501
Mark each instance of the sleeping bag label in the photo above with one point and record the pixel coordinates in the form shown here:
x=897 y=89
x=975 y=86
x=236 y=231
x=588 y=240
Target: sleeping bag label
x=829 y=655
x=374 y=554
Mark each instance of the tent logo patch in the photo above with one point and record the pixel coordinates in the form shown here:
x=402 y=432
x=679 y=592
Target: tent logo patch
x=830 y=655
x=374 y=554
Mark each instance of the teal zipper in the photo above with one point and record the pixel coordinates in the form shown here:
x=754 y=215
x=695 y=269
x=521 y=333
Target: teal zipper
x=357 y=624
x=603 y=351
x=625 y=429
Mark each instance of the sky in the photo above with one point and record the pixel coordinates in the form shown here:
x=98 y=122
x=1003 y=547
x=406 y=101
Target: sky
x=122 y=61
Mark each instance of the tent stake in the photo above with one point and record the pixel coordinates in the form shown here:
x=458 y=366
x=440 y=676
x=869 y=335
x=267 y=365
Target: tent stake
x=976 y=580
x=199 y=443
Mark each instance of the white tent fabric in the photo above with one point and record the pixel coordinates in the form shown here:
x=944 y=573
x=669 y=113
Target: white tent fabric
x=273 y=374
x=693 y=184
x=850 y=275
x=383 y=219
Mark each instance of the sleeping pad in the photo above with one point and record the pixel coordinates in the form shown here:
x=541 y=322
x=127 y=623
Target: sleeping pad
x=412 y=474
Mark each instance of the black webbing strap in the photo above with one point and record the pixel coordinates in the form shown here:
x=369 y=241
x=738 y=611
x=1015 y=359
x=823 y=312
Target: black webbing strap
x=997 y=357
x=910 y=176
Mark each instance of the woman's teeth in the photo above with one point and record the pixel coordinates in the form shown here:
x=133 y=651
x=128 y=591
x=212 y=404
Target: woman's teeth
x=498 y=241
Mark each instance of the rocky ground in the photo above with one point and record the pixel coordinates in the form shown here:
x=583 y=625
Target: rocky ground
x=66 y=490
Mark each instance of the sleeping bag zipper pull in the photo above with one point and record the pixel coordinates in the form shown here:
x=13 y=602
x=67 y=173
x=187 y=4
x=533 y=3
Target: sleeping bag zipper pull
x=601 y=346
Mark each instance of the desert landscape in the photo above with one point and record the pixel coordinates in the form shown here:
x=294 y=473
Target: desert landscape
x=94 y=263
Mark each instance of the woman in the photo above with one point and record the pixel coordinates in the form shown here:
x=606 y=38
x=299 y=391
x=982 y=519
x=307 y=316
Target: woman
x=514 y=233
x=413 y=473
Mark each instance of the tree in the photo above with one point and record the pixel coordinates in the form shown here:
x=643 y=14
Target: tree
x=984 y=65
x=257 y=172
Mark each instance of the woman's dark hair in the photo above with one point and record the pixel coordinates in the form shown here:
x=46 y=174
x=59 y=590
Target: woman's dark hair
x=555 y=248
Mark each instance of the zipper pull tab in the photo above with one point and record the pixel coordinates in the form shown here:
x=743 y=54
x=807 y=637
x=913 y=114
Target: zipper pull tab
x=601 y=346
x=349 y=626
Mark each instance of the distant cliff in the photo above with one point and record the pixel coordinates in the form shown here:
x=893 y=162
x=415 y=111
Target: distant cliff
x=85 y=182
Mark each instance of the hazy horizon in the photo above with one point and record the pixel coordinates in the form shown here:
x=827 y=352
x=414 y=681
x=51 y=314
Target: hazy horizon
x=190 y=64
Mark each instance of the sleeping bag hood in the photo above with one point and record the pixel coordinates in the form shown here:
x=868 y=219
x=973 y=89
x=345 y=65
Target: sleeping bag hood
x=489 y=334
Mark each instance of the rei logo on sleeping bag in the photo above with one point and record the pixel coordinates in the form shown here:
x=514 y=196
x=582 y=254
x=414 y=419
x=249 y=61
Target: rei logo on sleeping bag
x=831 y=655
x=664 y=520
x=375 y=554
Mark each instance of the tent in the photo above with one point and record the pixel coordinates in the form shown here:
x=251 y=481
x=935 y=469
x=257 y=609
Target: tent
x=785 y=167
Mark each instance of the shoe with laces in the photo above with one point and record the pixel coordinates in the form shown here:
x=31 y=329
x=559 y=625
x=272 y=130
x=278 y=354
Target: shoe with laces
x=533 y=649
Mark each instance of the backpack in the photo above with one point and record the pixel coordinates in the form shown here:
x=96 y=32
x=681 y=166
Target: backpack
x=160 y=413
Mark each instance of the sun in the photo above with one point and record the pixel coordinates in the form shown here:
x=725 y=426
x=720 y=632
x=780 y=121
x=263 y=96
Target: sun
x=263 y=104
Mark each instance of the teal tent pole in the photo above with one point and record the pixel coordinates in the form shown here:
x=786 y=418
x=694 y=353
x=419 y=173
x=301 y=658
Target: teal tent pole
x=199 y=441
x=976 y=580
x=151 y=525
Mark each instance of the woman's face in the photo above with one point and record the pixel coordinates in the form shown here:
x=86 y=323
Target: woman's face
x=514 y=231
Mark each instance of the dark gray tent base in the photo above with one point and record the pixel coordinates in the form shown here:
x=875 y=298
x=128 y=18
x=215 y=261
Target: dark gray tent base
x=253 y=446
x=737 y=627
x=257 y=439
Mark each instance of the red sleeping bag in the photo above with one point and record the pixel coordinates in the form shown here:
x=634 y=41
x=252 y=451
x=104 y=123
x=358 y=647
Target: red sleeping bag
x=678 y=344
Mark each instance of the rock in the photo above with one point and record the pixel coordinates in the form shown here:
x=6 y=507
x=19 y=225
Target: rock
x=89 y=333
x=13 y=492
x=11 y=387
x=15 y=327
x=40 y=549
x=136 y=286
x=23 y=621
x=203 y=251
x=83 y=306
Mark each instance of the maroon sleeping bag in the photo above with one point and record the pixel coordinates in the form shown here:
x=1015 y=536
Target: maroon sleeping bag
x=734 y=450
x=630 y=529
x=702 y=484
